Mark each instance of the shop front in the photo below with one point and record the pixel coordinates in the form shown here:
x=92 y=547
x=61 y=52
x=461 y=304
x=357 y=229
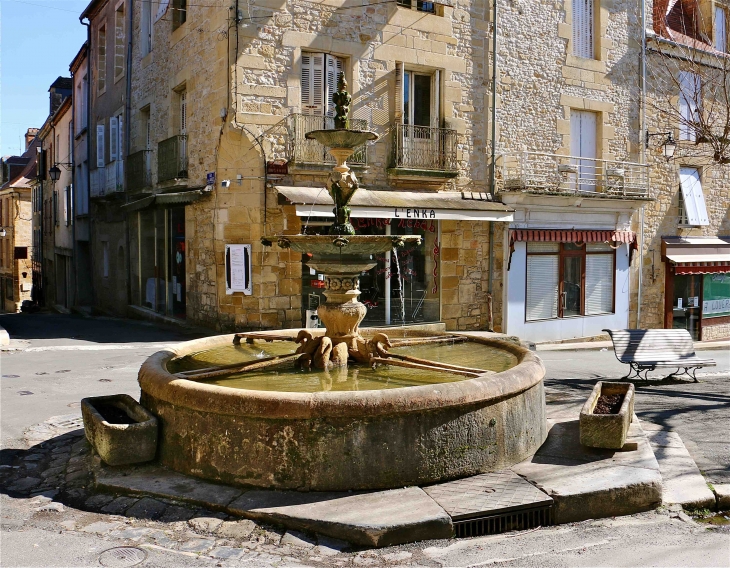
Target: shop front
x=404 y=286
x=697 y=286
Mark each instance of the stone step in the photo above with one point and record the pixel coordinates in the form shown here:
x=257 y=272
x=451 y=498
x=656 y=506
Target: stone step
x=682 y=482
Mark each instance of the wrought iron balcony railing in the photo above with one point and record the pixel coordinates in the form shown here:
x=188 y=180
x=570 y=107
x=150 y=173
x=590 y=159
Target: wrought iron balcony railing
x=311 y=152
x=139 y=170
x=172 y=158
x=424 y=148
x=108 y=180
x=554 y=173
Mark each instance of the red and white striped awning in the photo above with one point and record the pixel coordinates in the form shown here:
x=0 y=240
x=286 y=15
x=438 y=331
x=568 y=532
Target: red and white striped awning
x=697 y=255
x=572 y=236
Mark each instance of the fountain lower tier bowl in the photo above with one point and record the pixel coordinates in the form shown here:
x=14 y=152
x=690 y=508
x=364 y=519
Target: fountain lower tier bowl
x=345 y=245
x=341 y=138
x=314 y=439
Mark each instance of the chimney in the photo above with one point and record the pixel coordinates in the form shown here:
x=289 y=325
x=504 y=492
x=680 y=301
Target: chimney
x=29 y=136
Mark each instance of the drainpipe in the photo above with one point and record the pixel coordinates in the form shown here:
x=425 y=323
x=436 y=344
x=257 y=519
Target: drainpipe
x=127 y=146
x=89 y=90
x=492 y=171
x=642 y=110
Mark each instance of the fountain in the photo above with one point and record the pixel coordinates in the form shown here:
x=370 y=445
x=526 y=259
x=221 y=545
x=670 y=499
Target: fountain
x=348 y=408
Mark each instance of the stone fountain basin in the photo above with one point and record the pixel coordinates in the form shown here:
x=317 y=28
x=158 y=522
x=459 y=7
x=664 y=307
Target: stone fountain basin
x=356 y=244
x=341 y=138
x=335 y=441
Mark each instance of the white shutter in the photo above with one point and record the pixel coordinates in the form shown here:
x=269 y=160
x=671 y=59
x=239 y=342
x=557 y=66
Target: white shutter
x=720 y=29
x=692 y=196
x=399 y=92
x=599 y=284
x=120 y=147
x=435 y=111
x=100 y=146
x=162 y=8
x=689 y=92
x=583 y=28
x=542 y=287
x=583 y=129
x=334 y=66
x=113 y=139
x=312 y=83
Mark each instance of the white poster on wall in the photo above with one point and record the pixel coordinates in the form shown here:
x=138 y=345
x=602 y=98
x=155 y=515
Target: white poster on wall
x=238 y=269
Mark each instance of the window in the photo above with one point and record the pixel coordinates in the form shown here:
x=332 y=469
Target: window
x=583 y=29
x=420 y=100
x=419 y=5
x=100 y=146
x=119 y=47
x=179 y=13
x=692 y=208
x=145 y=28
x=690 y=90
x=101 y=59
x=116 y=129
x=568 y=280
x=81 y=200
x=583 y=144
x=67 y=196
x=183 y=112
x=55 y=208
x=320 y=73
x=144 y=115
x=720 y=29
x=21 y=253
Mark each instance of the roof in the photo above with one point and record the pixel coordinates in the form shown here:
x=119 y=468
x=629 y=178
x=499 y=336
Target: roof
x=62 y=83
x=29 y=172
x=91 y=9
x=78 y=58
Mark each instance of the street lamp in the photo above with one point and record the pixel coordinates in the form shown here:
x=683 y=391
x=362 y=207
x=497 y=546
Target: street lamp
x=668 y=146
x=55 y=173
x=2 y=232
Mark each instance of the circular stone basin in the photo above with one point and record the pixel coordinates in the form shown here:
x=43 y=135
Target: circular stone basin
x=346 y=244
x=345 y=429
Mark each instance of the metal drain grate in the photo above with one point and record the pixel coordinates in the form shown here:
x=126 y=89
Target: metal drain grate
x=514 y=521
x=122 y=557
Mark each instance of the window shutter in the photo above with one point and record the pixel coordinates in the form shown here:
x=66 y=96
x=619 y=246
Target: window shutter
x=334 y=66
x=184 y=112
x=689 y=91
x=583 y=28
x=694 y=200
x=113 y=139
x=720 y=29
x=399 y=92
x=599 y=284
x=161 y=9
x=542 y=287
x=120 y=129
x=317 y=84
x=100 y=146
x=435 y=114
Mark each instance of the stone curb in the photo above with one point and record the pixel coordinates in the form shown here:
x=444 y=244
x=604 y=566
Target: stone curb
x=4 y=336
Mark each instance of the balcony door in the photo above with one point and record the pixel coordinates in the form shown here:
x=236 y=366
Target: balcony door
x=583 y=147
x=420 y=116
x=319 y=75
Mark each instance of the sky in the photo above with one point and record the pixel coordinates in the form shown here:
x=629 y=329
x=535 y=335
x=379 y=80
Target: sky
x=38 y=40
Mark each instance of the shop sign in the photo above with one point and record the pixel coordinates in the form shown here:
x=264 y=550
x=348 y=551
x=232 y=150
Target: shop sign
x=414 y=213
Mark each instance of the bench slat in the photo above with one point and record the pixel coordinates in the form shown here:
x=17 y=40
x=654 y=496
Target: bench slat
x=656 y=347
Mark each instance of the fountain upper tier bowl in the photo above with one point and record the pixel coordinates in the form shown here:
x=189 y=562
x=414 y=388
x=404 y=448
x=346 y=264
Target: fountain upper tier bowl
x=342 y=138
x=346 y=244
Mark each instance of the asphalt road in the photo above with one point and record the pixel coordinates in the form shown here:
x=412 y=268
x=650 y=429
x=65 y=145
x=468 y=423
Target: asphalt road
x=61 y=359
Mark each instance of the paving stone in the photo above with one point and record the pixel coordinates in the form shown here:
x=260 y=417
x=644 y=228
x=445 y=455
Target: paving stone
x=198 y=545
x=99 y=500
x=174 y=513
x=33 y=457
x=227 y=552
x=382 y=518
x=24 y=484
x=327 y=546
x=132 y=533
x=147 y=508
x=722 y=492
x=68 y=525
x=272 y=536
x=76 y=475
x=298 y=539
x=397 y=556
x=119 y=505
x=52 y=472
x=102 y=527
x=236 y=529
x=205 y=524
x=50 y=507
x=48 y=493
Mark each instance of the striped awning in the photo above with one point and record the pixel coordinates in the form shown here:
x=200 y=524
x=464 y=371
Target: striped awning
x=572 y=236
x=697 y=255
x=702 y=268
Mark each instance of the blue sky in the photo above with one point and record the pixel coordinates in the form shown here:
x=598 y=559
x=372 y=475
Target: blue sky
x=39 y=39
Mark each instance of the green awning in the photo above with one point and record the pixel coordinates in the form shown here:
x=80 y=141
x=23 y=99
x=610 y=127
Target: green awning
x=164 y=200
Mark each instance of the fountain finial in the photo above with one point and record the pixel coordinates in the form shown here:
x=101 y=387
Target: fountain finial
x=342 y=100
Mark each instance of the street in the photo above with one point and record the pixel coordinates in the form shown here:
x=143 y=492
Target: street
x=54 y=361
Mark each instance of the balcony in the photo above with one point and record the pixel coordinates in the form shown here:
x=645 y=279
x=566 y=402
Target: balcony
x=108 y=180
x=172 y=158
x=310 y=152
x=535 y=172
x=424 y=151
x=139 y=170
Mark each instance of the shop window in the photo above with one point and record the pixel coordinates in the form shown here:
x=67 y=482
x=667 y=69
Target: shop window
x=692 y=208
x=569 y=280
x=583 y=29
x=402 y=287
x=686 y=303
x=716 y=295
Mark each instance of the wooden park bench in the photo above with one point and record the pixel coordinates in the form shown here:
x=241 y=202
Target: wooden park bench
x=648 y=349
